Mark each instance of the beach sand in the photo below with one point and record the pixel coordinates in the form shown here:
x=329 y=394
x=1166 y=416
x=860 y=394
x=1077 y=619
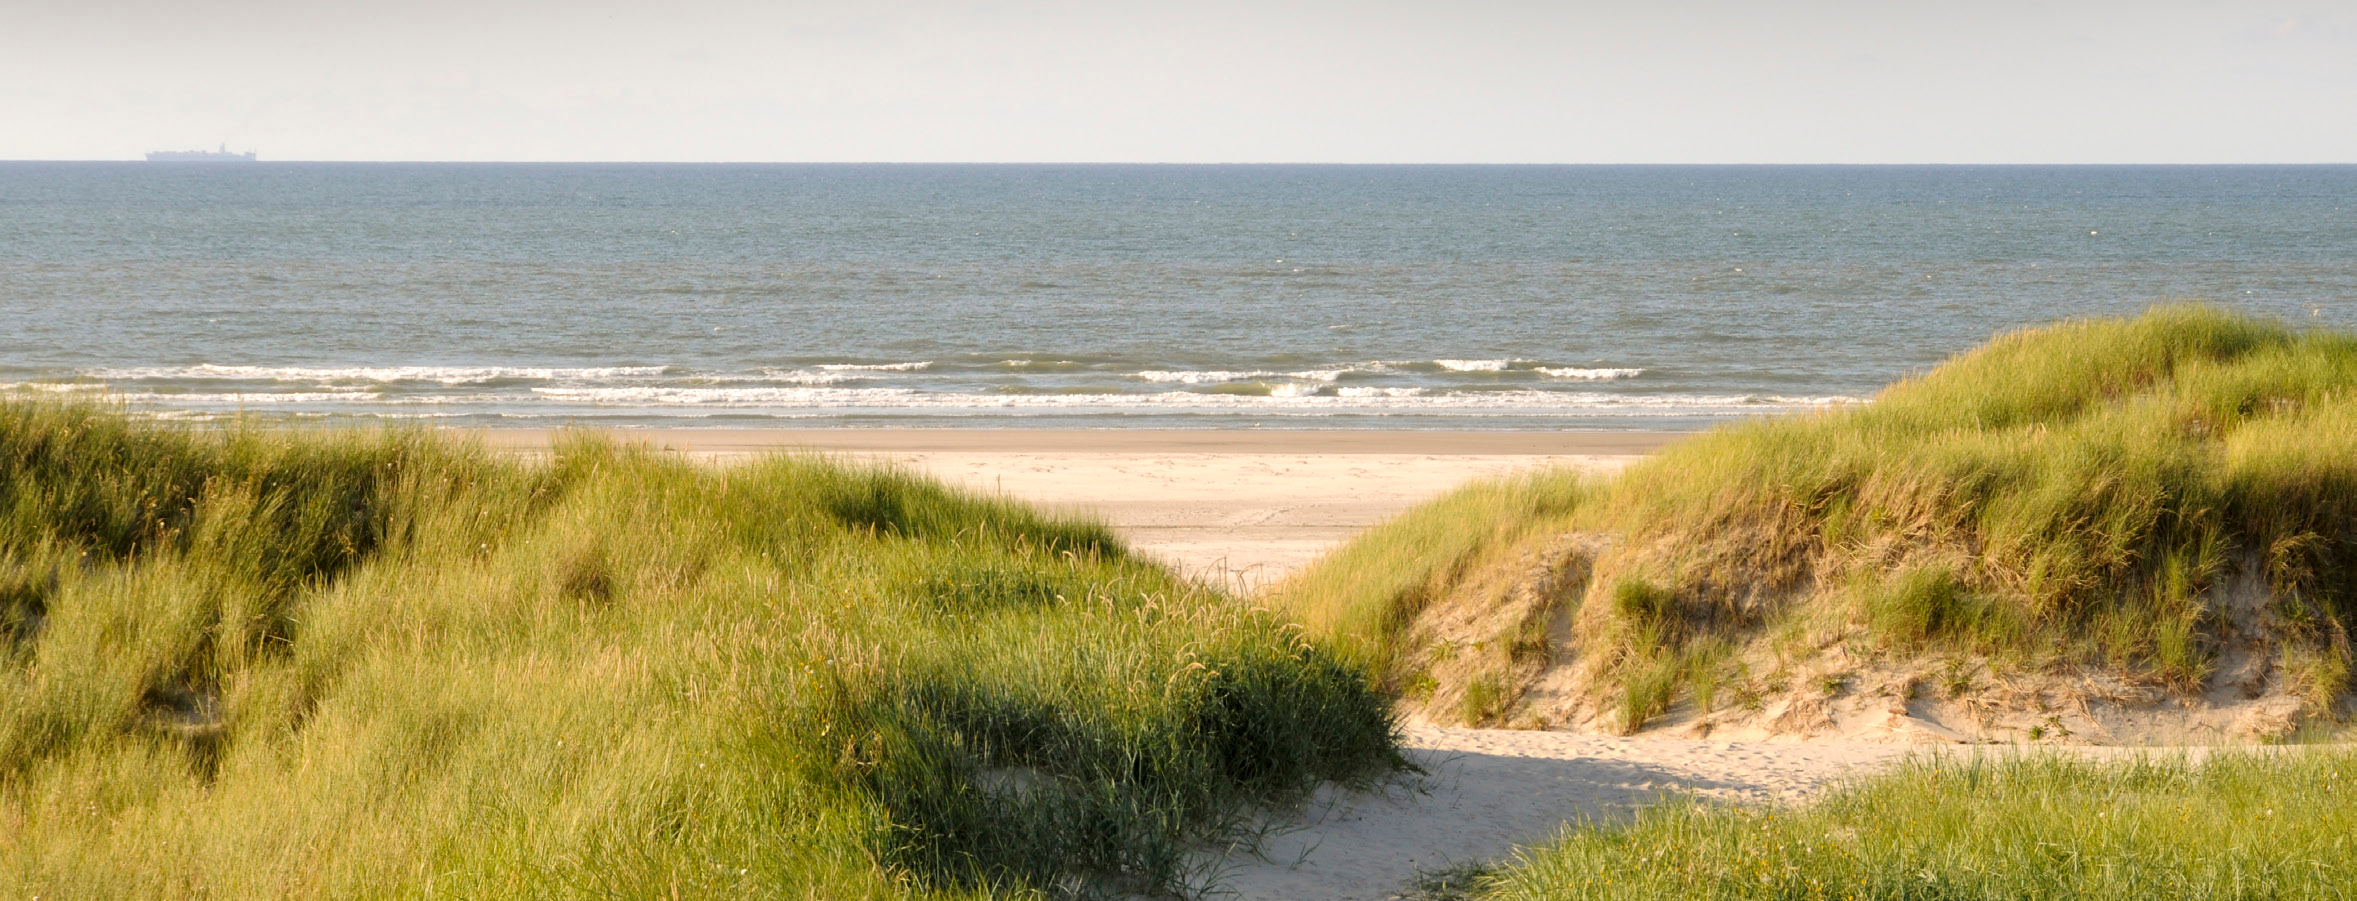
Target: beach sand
x=1243 y=508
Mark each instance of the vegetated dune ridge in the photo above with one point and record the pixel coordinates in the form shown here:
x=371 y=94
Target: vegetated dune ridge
x=2112 y=531
x=2045 y=825
x=272 y=664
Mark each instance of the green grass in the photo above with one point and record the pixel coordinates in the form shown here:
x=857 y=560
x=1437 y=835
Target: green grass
x=2097 y=493
x=384 y=664
x=1363 y=595
x=2280 y=826
x=1363 y=598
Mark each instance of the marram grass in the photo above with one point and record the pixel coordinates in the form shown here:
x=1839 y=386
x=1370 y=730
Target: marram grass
x=2237 y=826
x=363 y=664
x=2097 y=493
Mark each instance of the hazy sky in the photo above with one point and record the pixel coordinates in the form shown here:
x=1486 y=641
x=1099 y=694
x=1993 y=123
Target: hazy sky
x=1326 y=81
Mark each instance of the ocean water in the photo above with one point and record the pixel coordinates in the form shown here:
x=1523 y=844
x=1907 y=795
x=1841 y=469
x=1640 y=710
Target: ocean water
x=1448 y=297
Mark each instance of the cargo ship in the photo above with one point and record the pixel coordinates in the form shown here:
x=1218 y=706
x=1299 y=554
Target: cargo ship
x=200 y=156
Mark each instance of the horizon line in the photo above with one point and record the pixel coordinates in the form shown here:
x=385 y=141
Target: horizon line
x=1174 y=163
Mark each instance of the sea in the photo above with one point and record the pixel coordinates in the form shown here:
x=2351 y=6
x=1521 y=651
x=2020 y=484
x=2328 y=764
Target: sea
x=1103 y=296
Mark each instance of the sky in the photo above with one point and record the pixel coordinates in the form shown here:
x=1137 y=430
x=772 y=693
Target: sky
x=1370 y=81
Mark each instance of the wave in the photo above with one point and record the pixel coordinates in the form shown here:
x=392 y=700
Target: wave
x=750 y=396
x=1475 y=365
x=1297 y=389
x=788 y=376
x=1057 y=390
x=1211 y=377
x=1594 y=375
x=233 y=399
x=814 y=375
x=1264 y=389
x=1389 y=367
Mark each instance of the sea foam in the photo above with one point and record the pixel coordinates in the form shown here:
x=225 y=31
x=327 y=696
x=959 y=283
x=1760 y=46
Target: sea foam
x=1593 y=375
x=917 y=366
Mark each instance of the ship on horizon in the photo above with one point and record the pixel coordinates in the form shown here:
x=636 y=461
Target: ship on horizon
x=200 y=156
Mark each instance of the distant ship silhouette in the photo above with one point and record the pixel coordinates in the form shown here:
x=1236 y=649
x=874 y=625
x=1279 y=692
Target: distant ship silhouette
x=200 y=156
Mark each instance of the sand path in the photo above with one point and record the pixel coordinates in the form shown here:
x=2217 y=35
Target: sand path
x=1488 y=792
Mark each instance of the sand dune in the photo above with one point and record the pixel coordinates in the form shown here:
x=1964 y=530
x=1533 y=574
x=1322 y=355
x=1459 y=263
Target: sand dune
x=1250 y=507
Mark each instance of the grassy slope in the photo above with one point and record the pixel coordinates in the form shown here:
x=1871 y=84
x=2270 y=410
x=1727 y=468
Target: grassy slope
x=2280 y=827
x=386 y=665
x=2094 y=494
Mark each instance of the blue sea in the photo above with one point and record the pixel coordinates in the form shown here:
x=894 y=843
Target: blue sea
x=1415 y=297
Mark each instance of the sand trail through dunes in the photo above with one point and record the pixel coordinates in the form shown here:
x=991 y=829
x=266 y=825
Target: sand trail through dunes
x=1486 y=792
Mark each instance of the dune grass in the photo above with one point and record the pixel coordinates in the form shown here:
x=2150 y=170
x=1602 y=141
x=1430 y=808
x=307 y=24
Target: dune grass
x=2127 y=494
x=1363 y=596
x=2280 y=826
x=384 y=664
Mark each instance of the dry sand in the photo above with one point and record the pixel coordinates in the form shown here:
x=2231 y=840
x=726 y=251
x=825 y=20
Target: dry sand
x=1489 y=791
x=1244 y=507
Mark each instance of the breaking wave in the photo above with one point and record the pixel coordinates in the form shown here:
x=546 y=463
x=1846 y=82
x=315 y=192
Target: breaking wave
x=1593 y=375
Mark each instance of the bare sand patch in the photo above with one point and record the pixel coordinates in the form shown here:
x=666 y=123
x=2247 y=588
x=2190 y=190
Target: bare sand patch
x=1487 y=792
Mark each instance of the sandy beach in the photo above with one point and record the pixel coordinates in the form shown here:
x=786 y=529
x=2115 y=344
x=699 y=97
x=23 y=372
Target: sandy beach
x=1240 y=507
